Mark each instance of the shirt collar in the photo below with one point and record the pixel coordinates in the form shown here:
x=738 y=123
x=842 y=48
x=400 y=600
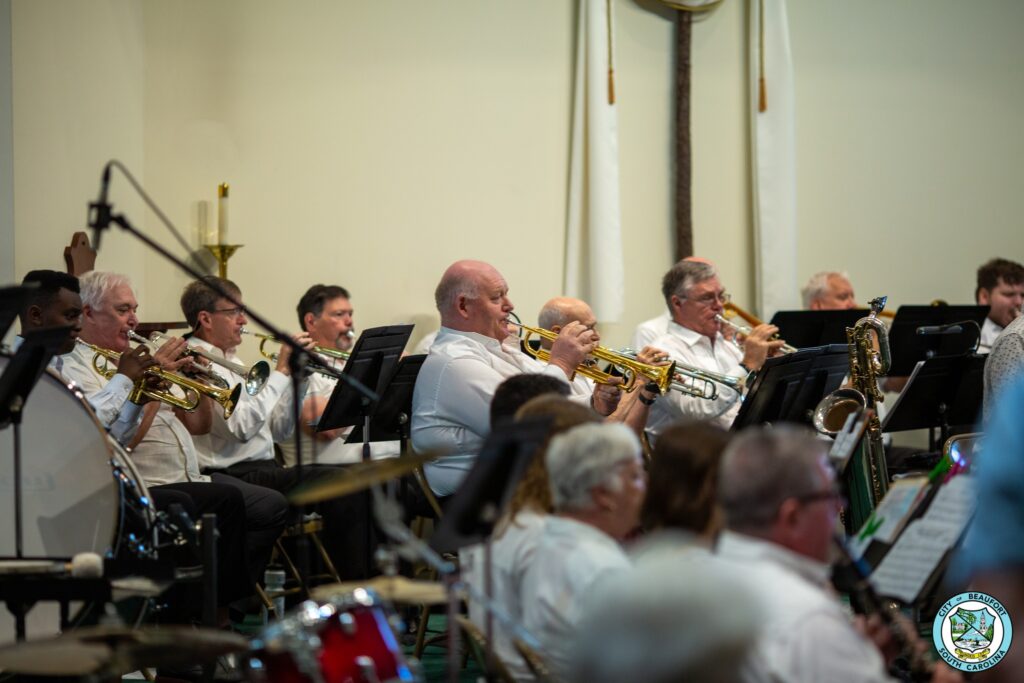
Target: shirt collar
x=492 y=344
x=747 y=548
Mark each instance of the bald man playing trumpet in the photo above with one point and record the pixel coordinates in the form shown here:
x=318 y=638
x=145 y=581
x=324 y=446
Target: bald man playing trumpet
x=472 y=354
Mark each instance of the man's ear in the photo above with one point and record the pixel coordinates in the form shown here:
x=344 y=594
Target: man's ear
x=461 y=306
x=788 y=517
x=556 y=328
x=603 y=498
x=984 y=297
x=676 y=302
x=87 y=312
x=34 y=316
x=203 y=320
x=307 y=322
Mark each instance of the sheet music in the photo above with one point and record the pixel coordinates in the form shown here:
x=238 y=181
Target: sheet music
x=954 y=504
x=888 y=519
x=912 y=560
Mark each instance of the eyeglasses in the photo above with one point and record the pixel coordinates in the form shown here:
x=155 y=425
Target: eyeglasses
x=710 y=299
x=231 y=312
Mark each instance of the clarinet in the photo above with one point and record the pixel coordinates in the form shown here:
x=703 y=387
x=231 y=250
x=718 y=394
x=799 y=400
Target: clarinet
x=866 y=601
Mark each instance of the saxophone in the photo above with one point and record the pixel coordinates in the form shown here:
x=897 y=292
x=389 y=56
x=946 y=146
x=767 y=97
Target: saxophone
x=866 y=365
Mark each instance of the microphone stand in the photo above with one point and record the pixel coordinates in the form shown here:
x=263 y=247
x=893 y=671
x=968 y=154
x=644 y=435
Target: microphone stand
x=101 y=215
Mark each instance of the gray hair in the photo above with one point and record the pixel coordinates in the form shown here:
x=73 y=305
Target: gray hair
x=682 y=276
x=451 y=287
x=761 y=468
x=818 y=285
x=585 y=457
x=96 y=286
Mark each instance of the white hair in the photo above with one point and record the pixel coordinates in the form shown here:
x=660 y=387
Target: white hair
x=818 y=285
x=96 y=286
x=585 y=457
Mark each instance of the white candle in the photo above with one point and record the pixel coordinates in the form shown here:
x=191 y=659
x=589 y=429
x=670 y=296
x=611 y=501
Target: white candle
x=222 y=213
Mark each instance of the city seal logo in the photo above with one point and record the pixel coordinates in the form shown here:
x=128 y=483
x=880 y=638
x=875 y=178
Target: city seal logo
x=972 y=632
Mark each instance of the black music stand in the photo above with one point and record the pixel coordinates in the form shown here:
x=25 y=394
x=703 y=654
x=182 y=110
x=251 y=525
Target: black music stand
x=788 y=387
x=23 y=371
x=483 y=495
x=391 y=416
x=804 y=329
x=372 y=362
x=12 y=302
x=943 y=393
x=956 y=331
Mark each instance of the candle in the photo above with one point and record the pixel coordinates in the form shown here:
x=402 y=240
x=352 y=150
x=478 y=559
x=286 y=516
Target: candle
x=222 y=213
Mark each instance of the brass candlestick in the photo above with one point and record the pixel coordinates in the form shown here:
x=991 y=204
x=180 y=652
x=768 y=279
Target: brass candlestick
x=222 y=252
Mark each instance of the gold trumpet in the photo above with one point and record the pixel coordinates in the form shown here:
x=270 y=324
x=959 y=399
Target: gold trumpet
x=744 y=330
x=271 y=339
x=255 y=377
x=105 y=362
x=632 y=369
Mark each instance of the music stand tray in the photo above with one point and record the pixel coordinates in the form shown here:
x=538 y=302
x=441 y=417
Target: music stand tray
x=804 y=329
x=390 y=417
x=909 y=347
x=789 y=386
x=372 y=361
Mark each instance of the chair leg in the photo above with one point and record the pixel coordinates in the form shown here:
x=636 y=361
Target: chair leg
x=325 y=557
x=421 y=632
x=292 y=569
x=267 y=602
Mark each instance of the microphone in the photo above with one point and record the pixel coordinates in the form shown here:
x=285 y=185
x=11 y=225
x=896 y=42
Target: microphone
x=99 y=211
x=953 y=328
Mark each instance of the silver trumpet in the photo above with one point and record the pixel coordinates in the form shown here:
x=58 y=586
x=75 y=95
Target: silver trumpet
x=745 y=331
x=693 y=381
x=255 y=377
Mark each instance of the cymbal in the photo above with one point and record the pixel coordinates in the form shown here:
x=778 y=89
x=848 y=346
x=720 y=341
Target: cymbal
x=390 y=588
x=358 y=477
x=118 y=650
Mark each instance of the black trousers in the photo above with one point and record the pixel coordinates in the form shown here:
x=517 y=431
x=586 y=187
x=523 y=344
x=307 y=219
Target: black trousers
x=349 y=535
x=234 y=581
x=266 y=513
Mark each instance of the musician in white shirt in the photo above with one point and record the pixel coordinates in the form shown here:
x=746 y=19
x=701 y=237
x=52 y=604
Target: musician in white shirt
x=325 y=313
x=1001 y=288
x=472 y=354
x=695 y=296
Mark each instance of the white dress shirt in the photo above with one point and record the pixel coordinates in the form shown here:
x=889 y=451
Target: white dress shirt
x=512 y=552
x=452 y=400
x=649 y=330
x=108 y=399
x=571 y=559
x=335 y=451
x=257 y=422
x=805 y=636
x=695 y=349
x=989 y=332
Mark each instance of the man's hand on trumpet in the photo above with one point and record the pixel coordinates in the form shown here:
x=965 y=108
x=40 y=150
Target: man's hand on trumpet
x=169 y=355
x=570 y=349
x=303 y=340
x=652 y=356
x=759 y=345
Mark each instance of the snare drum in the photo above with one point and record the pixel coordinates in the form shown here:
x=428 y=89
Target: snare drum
x=79 y=491
x=349 y=639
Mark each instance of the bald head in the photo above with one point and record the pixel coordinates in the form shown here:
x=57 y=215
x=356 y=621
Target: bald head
x=472 y=296
x=562 y=310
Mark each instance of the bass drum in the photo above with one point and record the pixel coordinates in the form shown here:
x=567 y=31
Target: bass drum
x=79 y=491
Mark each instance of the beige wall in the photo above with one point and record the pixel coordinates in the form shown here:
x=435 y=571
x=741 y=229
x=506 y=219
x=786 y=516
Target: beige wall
x=374 y=141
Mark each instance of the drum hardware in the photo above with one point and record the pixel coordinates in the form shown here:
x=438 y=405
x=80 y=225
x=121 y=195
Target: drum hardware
x=358 y=477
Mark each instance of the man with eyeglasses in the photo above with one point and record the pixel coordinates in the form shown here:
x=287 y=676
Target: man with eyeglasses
x=779 y=498
x=695 y=297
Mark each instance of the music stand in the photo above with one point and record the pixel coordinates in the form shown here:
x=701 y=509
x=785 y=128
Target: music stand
x=804 y=329
x=390 y=418
x=789 y=386
x=12 y=302
x=21 y=375
x=372 y=361
x=485 y=492
x=943 y=393
x=909 y=346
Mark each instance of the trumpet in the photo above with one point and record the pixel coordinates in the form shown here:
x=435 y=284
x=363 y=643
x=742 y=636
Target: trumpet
x=694 y=381
x=194 y=390
x=632 y=369
x=255 y=377
x=744 y=330
x=271 y=339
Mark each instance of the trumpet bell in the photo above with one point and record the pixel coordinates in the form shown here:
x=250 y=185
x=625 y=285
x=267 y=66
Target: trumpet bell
x=832 y=411
x=256 y=377
x=229 y=399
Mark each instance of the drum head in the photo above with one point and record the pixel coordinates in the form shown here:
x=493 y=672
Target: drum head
x=69 y=497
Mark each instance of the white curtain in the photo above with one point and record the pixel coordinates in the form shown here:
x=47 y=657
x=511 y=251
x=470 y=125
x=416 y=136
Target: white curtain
x=593 y=260
x=774 y=158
